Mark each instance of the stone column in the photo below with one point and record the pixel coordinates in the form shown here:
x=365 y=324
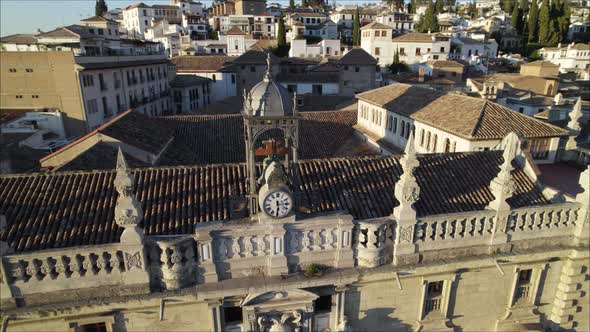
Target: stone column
x=338 y=299
x=278 y=260
x=207 y=270
x=6 y=300
x=582 y=231
x=214 y=306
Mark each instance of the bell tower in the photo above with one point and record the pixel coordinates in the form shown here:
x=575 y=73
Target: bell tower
x=271 y=128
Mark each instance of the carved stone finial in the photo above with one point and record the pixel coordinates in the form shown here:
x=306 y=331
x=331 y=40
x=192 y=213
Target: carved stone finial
x=247 y=103
x=502 y=186
x=5 y=249
x=574 y=124
x=268 y=74
x=407 y=190
x=584 y=196
x=128 y=211
x=295 y=103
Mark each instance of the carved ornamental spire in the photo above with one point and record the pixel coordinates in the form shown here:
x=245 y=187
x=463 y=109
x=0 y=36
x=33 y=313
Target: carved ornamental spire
x=502 y=186
x=574 y=124
x=128 y=212
x=407 y=190
x=267 y=75
x=247 y=103
x=5 y=249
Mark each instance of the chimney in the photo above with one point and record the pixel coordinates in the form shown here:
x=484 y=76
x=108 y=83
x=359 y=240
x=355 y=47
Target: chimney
x=421 y=74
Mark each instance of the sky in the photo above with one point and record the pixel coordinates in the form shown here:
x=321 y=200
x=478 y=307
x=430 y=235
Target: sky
x=26 y=16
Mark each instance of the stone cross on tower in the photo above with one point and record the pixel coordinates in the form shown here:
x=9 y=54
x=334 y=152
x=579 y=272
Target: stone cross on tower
x=502 y=186
x=128 y=211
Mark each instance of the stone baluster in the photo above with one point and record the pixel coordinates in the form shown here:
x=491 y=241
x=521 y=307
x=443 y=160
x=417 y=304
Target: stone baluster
x=317 y=240
x=305 y=242
x=407 y=192
x=369 y=254
x=236 y=248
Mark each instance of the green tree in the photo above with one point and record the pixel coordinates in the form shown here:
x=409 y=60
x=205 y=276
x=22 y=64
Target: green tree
x=356 y=28
x=412 y=7
x=304 y=3
x=507 y=6
x=564 y=20
x=281 y=36
x=291 y=4
x=533 y=22
x=428 y=21
x=516 y=19
x=397 y=66
x=548 y=25
x=100 y=7
x=472 y=9
x=439 y=6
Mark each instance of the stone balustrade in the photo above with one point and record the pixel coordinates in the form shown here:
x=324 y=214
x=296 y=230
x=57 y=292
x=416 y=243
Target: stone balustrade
x=86 y=267
x=543 y=221
x=454 y=230
x=221 y=251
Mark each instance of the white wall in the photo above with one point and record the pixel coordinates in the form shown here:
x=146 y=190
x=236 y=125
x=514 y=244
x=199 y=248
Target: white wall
x=222 y=85
x=307 y=88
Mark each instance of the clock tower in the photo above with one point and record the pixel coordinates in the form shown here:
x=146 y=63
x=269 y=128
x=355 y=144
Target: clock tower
x=271 y=127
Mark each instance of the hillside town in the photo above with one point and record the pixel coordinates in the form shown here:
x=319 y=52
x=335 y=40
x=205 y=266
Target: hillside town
x=298 y=166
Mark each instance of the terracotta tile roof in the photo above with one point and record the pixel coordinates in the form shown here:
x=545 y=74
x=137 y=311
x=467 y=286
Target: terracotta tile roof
x=201 y=62
x=100 y=154
x=467 y=117
x=56 y=210
x=376 y=25
x=217 y=139
x=235 y=31
x=21 y=39
x=541 y=63
x=186 y=80
x=444 y=63
x=522 y=82
x=196 y=135
x=580 y=46
x=357 y=56
x=414 y=38
x=97 y=19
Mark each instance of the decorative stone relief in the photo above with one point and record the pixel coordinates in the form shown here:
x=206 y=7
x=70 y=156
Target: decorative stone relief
x=133 y=260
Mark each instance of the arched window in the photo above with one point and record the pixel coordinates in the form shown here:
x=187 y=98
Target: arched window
x=454 y=147
x=214 y=78
x=434 y=139
x=407 y=130
x=428 y=141
x=447 y=145
x=403 y=129
x=422 y=138
x=389 y=123
x=394 y=125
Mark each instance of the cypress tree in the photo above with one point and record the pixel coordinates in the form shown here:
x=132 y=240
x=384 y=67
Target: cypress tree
x=428 y=21
x=356 y=29
x=412 y=7
x=100 y=7
x=533 y=22
x=304 y=3
x=524 y=10
x=291 y=4
x=516 y=19
x=439 y=6
x=545 y=23
x=281 y=36
x=507 y=6
x=564 y=20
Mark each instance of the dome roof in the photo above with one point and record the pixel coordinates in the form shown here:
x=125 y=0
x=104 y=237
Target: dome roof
x=269 y=98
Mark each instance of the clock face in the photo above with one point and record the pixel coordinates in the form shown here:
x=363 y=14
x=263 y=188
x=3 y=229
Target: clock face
x=278 y=204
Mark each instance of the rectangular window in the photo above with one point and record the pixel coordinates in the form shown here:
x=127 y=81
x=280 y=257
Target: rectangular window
x=377 y=51
x=253 y=69
x=95 y=327
x=418 y=52
x=402 y=51
x=433 y=301
x=317 y=89
x=523 y=286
